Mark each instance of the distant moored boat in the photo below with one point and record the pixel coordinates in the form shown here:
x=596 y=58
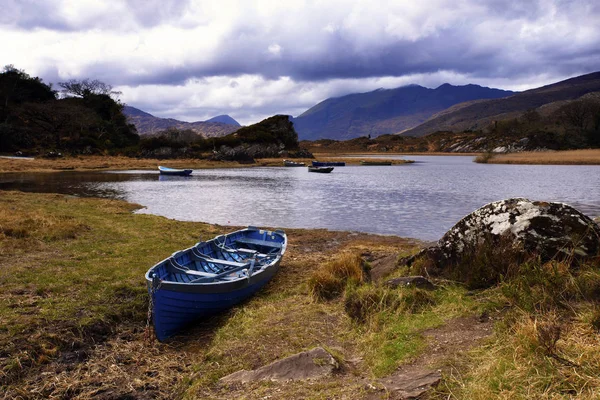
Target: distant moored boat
x=174 y=171
x=328 y=164
x=289 y=163
x=323 y=170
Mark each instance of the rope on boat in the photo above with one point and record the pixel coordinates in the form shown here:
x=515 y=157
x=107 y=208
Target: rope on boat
x=154 y=287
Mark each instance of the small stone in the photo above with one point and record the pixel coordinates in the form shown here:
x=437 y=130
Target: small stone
x=411 y=281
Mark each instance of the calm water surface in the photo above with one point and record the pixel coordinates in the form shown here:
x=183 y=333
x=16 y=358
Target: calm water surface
x=421 y=200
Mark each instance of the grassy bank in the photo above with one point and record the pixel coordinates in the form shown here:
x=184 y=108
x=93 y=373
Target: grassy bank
x=567 y=157
x=83 y=163
x=73 y=311
x=86 y=163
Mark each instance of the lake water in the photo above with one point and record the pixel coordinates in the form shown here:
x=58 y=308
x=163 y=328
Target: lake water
x=421 y=200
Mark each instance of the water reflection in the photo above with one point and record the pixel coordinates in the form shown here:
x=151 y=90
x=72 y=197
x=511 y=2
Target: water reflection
x=419 y=200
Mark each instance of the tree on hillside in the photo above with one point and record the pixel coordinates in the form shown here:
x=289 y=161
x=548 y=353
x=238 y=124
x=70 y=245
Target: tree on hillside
x=86 y=87
x=580 y=114
x=18 y=87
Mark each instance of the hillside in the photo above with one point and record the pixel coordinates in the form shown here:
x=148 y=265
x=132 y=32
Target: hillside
x=384 y=110
x=478 y=115
x=148 y=124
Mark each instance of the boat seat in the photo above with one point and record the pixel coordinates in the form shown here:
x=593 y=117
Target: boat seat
x=235 y=264
x=198 y=273
x=259 y=242
x=184 y=270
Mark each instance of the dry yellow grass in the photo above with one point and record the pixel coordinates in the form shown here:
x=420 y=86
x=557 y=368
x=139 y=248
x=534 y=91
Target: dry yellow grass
x=568 y=157
x=73 y=307
x=83 y=163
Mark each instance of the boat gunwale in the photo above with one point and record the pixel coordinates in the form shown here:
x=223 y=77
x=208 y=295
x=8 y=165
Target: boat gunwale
x=221 y=284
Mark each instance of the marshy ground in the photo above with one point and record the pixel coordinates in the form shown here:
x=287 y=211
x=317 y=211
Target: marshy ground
x=73 y=313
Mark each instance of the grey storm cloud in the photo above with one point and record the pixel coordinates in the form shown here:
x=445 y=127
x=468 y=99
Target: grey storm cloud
x=168 y=44
x=44 y=14
x=335 y=55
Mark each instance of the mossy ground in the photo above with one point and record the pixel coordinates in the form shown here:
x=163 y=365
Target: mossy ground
x=73 y=314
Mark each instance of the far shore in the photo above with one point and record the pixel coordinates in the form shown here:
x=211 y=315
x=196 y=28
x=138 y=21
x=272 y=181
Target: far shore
x=88 y=163
x=565 y=157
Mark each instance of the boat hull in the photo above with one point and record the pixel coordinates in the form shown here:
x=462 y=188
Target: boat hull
x=211 y=277
x=174 y=172
x=328 y=164
x=176 y=306
x=322 y=170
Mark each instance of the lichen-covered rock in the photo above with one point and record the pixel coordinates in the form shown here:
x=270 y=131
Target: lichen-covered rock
x=549 y=230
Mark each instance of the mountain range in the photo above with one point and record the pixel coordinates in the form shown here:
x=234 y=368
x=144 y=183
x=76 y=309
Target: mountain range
x=479 y=114
x=384 y=111
x=409 y=110
x=148 y=124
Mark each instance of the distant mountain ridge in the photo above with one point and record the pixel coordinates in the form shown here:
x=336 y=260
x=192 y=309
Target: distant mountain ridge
x=478 y=115
x=384 y=111
x=148 y=124
x=224 y=119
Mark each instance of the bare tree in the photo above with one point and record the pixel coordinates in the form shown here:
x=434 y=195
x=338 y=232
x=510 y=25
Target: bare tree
x=85 y=87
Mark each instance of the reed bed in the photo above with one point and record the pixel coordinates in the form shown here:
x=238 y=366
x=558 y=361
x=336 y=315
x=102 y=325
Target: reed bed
x=567 y=157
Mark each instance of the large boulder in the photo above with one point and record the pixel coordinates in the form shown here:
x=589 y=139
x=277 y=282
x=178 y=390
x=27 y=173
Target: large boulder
x=544 y=229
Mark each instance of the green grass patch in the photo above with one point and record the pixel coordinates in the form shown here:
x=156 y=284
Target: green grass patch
x=71 y=268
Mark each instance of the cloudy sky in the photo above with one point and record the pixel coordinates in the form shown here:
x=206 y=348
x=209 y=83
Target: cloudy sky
x=192 y=60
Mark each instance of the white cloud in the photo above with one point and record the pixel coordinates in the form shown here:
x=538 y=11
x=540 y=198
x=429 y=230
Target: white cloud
x=196 y=59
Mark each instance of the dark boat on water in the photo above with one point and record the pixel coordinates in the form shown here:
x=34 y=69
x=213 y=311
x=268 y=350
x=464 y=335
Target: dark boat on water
x=328 y=164
x=289 y=163
x=364 y=162
x=323 y=170
x=211 y=277
x=174 y=171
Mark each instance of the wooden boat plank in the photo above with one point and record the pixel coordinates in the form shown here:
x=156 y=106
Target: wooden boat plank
x=218 y=261
x=258 y=242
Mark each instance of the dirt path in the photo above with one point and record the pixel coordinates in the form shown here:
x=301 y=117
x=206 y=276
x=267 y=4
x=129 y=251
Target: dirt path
x=455 y=337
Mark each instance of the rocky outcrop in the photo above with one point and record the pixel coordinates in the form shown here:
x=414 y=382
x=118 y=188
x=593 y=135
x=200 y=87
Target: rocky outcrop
x=247 y=153
x=314 y=364
x=548 y=230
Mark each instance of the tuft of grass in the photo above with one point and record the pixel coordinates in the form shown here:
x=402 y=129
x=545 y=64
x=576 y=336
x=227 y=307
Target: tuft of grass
x=331 y=280
x=389 y=323
x=369 y=300
x=484 y=265
x=485 y=157
x=543 y=358
x=540 y=287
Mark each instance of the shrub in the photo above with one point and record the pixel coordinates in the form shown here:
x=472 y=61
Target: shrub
x=363 y=302
x=330 y=281
x=486 y=264
x=485 y=157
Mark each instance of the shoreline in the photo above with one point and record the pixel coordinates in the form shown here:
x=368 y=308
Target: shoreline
x=74 y=308
x=90 y=163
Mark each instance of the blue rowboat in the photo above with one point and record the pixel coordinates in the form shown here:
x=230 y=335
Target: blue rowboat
x=211 y=276
x=328 y=164
x=174 y=171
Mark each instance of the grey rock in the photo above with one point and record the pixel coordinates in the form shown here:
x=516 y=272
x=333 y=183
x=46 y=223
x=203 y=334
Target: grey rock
x=550 y=230
x=411 y=385
x=314 y=364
